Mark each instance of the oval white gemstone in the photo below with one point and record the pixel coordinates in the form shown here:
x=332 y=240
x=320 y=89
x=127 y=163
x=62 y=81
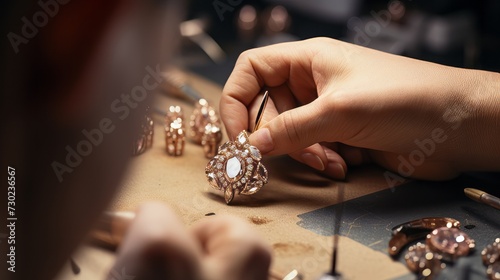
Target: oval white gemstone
x=233 y=167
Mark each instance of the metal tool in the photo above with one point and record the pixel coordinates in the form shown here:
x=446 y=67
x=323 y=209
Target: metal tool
x=260 y=113
x=333 y=274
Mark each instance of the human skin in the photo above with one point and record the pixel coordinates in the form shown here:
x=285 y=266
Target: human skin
x=159 y=246
x=335 y=104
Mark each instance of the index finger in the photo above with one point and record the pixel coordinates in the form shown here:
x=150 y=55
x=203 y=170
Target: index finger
x=257 y=68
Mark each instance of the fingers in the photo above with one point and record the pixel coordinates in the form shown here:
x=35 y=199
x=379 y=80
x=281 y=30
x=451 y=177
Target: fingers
x=294 y=129
x=157 y=246
x=322 y=159
x=232 y=249
x=270 y=67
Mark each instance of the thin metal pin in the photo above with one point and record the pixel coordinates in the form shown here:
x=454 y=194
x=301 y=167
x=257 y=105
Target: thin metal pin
x=337 y=223
x=337 y=220
x=260 y=113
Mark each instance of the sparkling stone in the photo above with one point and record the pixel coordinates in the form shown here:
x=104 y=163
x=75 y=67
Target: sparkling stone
x=210 y=165
x=224 y=146
x=491 y=253
x=262 y=172
x=249 y=160
x=228 y=195
x=420 y=258
x=233 y=167
x=219 y=165
x=221 y=158
x=212 y=180
x=255 y=152
x=220 y=174
x=244 y=154
x=493 y=271
x=254 y=187
x=450 y=242
x=243 y=180
x=249 y=173
x=250 y=167
x=140 y=144
x=242 y=138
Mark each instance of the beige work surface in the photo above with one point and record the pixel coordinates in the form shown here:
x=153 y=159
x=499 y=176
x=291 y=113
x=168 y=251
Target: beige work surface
x=293 y=189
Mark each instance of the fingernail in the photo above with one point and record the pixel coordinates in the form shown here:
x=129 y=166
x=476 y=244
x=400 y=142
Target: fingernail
x=335 y=170
x=261 y=139
x=313 y=161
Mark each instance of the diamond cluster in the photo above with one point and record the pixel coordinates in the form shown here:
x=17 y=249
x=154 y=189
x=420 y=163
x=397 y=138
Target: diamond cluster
x=237 y=168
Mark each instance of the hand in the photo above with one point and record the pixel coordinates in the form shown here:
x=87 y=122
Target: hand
x=335 y=103
x=158 y=246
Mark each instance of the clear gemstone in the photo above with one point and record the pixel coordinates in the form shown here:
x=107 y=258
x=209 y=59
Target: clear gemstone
x=233 y=167
x=221 y=158
x=219 y=165
x=249 y=160
x=242 y=138
x=262 y=172
x=255 y=152
x=224 y=146
x=250 y=167
x=243 y=180
x=255 y=187
x=244 y=154
x=228 y=195
x=212 y=180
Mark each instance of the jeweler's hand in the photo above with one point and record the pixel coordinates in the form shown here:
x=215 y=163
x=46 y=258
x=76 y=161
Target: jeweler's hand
x=159 y=246
x=335 y=103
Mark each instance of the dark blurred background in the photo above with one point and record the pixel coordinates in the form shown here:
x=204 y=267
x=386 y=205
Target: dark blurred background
x=453 y=32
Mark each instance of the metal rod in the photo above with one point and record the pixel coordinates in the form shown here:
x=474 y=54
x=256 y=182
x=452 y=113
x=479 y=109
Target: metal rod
x=260 y=113
x=337 y=223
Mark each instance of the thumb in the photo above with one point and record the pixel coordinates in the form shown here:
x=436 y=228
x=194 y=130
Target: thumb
x=293 y=130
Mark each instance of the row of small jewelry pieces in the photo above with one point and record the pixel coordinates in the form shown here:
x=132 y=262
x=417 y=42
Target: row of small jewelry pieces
x=204 y=129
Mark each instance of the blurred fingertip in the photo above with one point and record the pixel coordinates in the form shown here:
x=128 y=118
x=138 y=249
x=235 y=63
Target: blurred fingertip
x=313 y=161
x=335 y=170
